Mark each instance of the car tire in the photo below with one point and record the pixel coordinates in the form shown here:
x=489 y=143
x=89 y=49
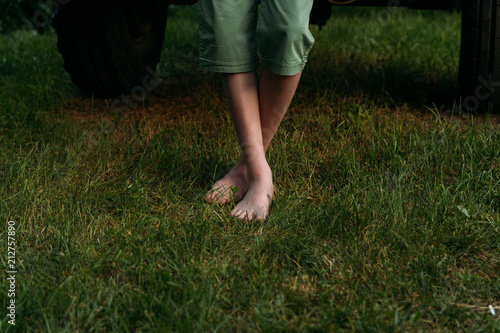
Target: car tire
x=110 y=46
x=479 y=69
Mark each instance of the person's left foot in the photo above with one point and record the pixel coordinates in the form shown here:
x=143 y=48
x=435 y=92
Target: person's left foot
x=255 y=205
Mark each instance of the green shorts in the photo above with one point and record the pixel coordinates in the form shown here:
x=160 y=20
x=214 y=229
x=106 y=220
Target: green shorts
x=233 y=31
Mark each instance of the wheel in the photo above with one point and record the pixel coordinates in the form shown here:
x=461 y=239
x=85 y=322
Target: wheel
x=479 y=72
x=110 y=46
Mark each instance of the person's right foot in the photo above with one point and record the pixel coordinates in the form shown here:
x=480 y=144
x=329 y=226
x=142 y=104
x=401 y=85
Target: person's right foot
x=232 y=186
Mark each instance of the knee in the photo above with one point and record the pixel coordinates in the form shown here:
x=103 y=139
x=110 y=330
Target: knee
x=285 y=47
x=286 y=36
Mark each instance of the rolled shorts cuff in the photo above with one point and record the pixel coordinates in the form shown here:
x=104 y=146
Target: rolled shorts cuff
x=284 y=70
x=229 y=67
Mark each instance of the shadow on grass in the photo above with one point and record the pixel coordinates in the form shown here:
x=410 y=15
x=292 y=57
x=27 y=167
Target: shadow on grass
x=385 y=80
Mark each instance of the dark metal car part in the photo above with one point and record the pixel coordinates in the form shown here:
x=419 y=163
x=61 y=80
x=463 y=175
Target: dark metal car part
x=110 y=46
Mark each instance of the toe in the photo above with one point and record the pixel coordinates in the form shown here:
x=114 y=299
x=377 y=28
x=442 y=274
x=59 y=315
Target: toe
x=235 y=212
x=240 y=214
x=212 y=197
x=209 y=197
x=219 y=195
x=262 y=215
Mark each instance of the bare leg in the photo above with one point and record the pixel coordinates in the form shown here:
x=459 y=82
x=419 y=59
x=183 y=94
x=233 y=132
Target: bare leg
x=268 y=105
x=275 y=95
x=243 y=96
x=242 y=93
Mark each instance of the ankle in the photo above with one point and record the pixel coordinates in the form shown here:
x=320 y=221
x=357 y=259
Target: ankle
x=260 y=173
x=239 y=169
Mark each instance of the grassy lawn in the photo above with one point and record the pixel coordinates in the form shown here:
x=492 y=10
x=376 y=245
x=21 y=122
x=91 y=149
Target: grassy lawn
x=387 y=215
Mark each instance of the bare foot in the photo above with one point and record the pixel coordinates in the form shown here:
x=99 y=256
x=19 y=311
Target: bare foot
x=231 y=187
x=255 y=204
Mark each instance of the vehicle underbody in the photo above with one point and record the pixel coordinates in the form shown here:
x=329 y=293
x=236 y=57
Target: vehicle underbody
x=109 y=47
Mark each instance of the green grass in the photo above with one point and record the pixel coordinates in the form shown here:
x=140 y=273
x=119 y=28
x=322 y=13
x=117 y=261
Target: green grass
x=387 y=215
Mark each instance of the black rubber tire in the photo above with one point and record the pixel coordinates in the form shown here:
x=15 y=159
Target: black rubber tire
x=479 y=73
x=110 y=46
